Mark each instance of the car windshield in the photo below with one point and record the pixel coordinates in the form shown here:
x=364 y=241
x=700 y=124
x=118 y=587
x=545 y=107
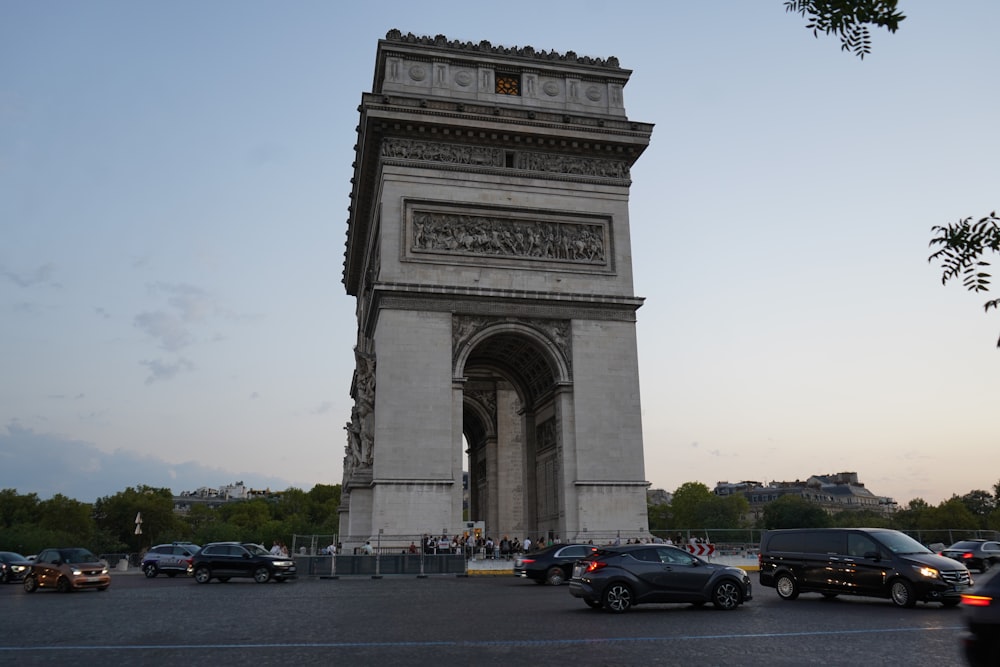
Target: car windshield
x=899 y=543
x=10 y=556
x=256 y=549
x=77 y=556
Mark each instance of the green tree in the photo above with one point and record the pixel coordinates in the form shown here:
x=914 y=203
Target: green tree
x=860 y=519
x=980 y=503
x=687 y=504
x=951 y=513
x=659 y=516
x=848 y=19
x=71 y=518
x=16 y=508
x=116 y=515
x=792 y=511
x=961 y=249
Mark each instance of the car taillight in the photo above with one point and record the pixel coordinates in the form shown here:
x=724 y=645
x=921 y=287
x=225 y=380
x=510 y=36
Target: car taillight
x=527 y=560
x=967 y=555
x=977 y=600
x=595 y=565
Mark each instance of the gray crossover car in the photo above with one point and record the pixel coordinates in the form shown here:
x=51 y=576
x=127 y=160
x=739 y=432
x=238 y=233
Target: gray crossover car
x=618 y=578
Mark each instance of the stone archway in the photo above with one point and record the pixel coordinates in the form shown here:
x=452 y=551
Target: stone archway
x=513 y=373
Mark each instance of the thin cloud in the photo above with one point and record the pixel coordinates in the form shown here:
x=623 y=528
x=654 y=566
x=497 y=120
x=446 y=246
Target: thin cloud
x=165 y=327
x=322 y=408
x=39 y=276
x=160 y=370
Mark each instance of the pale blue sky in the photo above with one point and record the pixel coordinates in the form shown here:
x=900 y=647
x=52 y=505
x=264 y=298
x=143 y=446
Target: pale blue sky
x=173 y=195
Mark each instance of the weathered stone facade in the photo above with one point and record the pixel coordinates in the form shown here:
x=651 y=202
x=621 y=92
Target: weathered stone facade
x=488 y=248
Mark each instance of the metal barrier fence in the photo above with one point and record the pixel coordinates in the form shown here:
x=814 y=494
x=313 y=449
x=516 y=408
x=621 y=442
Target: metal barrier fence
x=380 y=564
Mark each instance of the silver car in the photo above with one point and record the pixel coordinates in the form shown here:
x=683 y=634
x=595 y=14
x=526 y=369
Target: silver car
x=170 y=559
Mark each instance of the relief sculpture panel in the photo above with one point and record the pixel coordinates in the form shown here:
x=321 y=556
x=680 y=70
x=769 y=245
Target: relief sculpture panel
x=445 y=232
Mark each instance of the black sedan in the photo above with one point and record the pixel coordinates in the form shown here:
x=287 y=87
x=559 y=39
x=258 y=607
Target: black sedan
x=552 y=565
x=224 y=560
x=618 y=578
x=981 y=606
x=13 y=567
x=974 y=554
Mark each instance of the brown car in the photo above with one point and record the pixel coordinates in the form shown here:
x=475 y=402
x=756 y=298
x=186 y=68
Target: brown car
x=67 y=570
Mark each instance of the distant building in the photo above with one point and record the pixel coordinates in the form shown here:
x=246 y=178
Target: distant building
x=834 y=493
x=659 y=497
x=211 y=497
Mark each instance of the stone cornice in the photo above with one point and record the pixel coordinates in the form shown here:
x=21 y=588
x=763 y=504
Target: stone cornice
x=484 y=47
x=499 y=302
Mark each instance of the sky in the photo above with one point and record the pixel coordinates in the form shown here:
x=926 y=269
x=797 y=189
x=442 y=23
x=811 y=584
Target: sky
x=174 y=183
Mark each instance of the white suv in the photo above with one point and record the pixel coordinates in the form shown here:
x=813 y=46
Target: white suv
x=170 y=559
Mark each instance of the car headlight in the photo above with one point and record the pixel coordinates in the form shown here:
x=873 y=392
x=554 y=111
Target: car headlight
x=284 y=563
x=925 y=571
x=77 y=572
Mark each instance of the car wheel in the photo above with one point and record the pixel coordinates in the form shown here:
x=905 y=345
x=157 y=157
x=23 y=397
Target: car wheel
x=30 y=584
x=985 y=567
x=593 y=604
x=901 y=592
x=786 y=587
x=617 y=598
x=150 y=570
x=261 y=575
x=555 y=576
x=5 y=577
x=202 y=575
x=726 y=595
x=62 y=585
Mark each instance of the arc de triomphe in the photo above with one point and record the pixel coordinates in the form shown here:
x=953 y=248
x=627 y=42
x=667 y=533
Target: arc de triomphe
x=489 y=252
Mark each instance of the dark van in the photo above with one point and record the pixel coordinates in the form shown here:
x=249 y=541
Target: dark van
x=874 y=562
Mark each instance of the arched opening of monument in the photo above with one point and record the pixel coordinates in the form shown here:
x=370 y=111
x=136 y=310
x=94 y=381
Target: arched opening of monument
x=510 y=431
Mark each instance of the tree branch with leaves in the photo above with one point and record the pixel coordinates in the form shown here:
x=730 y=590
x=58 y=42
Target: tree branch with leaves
x=962 y=246
x=849 y=19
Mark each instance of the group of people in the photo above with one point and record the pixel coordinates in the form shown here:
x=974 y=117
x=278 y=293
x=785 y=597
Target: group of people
x=278 y=548
x=478 y=546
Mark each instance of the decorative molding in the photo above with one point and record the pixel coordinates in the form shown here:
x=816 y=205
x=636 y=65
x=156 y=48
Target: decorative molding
x=572 y=164
x=484 y=46
x=485 y=156
x=498 y=307
x=436 y=151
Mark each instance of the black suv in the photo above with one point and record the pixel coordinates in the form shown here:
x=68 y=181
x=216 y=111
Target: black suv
x=875 y=562
x=170 y=559
x=224 y=560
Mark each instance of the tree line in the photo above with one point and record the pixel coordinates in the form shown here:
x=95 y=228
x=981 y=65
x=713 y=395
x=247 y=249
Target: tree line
x=695 y=506
x=28 y=524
